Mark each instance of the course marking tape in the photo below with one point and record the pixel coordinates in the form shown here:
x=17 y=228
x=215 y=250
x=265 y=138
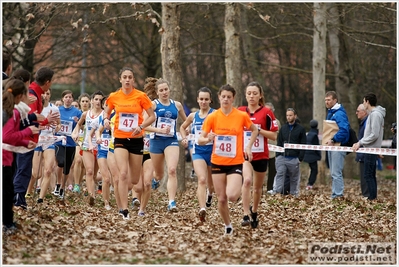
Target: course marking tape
x=367 y=150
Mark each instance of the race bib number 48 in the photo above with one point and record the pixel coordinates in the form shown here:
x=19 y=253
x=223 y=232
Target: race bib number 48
x=226 y=146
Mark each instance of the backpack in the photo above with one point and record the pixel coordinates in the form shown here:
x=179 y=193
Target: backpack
x=352 y=137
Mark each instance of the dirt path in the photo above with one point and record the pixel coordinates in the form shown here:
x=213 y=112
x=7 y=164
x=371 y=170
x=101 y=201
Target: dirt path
x=72 y=232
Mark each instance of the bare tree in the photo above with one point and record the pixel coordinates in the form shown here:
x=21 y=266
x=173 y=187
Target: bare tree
x=171 y=70
x=344 y=76
x=233 y=50
x=319 y=71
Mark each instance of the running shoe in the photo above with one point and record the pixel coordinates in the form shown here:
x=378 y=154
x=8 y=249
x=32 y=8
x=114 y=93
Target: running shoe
x=309 y=187
x=125 y=214
x=39 y=200
x=135 y=204
x=56 y=191
x=254 y=217
x=100 y=188
x=76 y=188
x=228 y=231
x=61 y=194
x=28 y=195
x=202 y=214
x=154 y=184
x=120 y=212
x=209 y=201
x=70 y=187
x=141 y=213
x=10 y=229
x=172 y=206
x=38 y=190
x=245 y=221
x=107 y=207
x=91 y=201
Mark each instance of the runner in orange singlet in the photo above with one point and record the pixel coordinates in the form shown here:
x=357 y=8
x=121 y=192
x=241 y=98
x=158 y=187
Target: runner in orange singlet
x=129 y=104
x=225 y=127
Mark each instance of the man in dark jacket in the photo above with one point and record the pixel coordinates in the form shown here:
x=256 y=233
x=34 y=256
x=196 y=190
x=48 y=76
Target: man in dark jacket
x=287 y=163
x=362 y=115
x=312 y=156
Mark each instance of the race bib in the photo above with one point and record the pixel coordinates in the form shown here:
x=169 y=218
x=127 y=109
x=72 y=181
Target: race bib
x=66 y=128
x=164 y=123
x=259 y=144
x=226 y=146
x=146 y=147
x=197 y=133
x=105 y=141
x=128 y=121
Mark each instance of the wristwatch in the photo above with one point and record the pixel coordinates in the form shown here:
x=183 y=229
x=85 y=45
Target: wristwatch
x=141 y=127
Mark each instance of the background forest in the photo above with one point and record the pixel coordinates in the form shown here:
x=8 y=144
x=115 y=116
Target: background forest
x=88 y=43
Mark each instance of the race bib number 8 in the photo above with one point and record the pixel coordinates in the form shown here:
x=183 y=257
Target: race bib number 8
x=259 y=144
x=128 y=121
x=226 y=146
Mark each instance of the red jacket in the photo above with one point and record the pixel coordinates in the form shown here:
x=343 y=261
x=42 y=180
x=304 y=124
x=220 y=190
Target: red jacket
x=36 y=107
x=12 y=135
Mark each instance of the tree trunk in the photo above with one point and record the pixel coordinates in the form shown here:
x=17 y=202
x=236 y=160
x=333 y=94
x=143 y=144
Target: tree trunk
x=233 y=58
x=171 y=71
x=344 y=79
x=319 y=74
x=252 y=71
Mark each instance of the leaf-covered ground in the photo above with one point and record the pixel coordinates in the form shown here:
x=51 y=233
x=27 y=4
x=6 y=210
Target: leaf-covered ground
x=72 y=232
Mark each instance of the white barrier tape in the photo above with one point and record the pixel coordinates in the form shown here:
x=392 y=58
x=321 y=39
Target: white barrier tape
x=276 y=148
x=44 y=142
x=377 y=151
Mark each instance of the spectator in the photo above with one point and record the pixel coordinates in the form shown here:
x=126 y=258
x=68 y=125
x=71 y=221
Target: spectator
x=373 y=134
x=12 y=135
x=287 y=163
x=7 y=65
x=362 y=115
x=394 y=140
x=271 y=165
x=312 y=156
x=37 y=88
x=336 y=159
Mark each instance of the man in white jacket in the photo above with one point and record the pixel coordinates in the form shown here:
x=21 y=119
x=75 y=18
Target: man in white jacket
x=372 y=138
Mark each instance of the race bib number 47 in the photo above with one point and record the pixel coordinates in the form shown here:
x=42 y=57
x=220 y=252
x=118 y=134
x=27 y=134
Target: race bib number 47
x=128 y=121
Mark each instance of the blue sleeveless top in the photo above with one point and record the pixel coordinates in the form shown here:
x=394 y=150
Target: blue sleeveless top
x=166 y=115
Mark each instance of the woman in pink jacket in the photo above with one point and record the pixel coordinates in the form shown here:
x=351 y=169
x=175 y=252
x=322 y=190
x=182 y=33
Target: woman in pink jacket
x=15 y=91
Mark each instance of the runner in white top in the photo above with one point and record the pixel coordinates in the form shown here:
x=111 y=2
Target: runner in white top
x=90 y=153
x=77 y=168
x=48 y=154
x=102 y=144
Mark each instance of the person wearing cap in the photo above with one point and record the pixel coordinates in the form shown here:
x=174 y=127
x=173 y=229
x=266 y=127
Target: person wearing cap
x=312 y=156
